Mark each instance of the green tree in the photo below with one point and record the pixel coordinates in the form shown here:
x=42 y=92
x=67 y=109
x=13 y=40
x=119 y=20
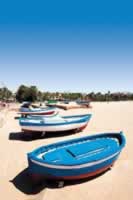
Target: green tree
x=5 y=93
x=32 y=95
x=21 y=93
x=25 y=93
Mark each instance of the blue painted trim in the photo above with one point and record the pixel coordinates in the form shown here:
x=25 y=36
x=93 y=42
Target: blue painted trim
x=37 y=110
x=84 y=118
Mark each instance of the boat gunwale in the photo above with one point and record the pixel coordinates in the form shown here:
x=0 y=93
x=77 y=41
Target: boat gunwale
x=84 y=118
x=33 y=155
x=40 y=110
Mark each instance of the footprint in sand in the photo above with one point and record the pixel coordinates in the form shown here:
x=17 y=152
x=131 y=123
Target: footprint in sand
x=1 y=121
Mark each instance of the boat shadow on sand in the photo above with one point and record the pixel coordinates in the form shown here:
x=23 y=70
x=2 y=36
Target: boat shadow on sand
x=21 y=136
x=25 y=184
x=17 y=117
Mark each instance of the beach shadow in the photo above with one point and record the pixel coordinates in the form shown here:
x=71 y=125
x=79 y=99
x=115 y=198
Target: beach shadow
x=25 y=184
x=17 y=117
x=27 y=137
x=59 y=134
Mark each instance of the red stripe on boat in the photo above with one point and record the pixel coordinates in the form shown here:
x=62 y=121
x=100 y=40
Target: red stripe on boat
x=90 y=174
x=37 y=113
x=83 y=127
x=30 y=131
x=46 y=113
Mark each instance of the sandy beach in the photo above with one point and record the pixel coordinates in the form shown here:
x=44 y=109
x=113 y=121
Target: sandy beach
x=113 y=185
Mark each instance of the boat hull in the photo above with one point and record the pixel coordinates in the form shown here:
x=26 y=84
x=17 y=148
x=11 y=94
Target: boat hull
x=37 y=113
x=37 y=177
x=37 y=172
x=61 y=128
x=76 y=123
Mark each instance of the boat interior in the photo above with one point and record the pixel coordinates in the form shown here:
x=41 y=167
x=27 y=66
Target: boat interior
x=51 y=120
x=81 y=152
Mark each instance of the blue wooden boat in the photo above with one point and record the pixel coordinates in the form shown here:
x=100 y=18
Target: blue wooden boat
x=78 y=158
x=54 y=124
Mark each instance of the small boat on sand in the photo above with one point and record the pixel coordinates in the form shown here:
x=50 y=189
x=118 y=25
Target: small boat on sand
x=29 y=109
x=48 y=111
x=78 y=158
x=54 y=124
x=24 y=111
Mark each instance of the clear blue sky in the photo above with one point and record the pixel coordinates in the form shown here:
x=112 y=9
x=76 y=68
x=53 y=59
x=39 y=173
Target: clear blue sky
x=67 y=45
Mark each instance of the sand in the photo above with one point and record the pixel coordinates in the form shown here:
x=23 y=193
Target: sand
x=113 y=185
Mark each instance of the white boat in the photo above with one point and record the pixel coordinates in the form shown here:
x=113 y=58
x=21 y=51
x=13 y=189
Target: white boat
x=54 y=124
